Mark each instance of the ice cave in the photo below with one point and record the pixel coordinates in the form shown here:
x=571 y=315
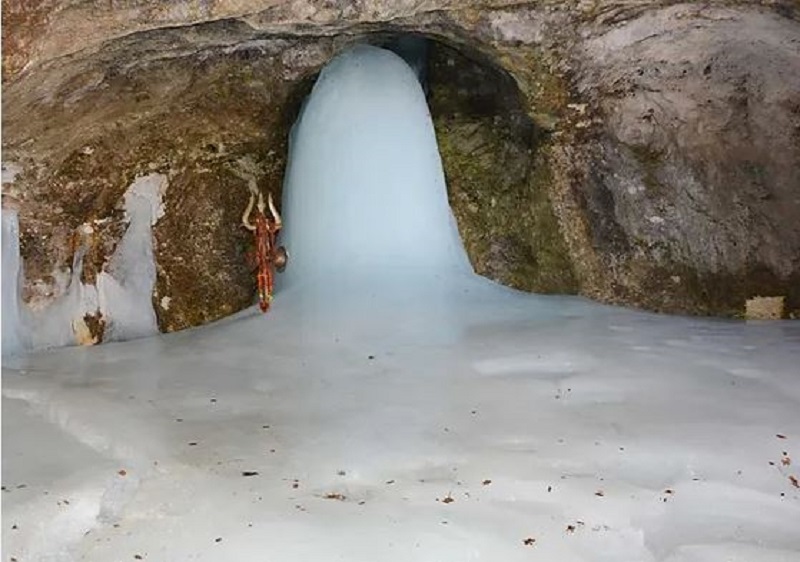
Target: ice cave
x=392 y=404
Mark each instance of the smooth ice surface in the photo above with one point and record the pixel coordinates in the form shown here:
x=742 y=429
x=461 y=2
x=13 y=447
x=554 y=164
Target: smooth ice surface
x=125 y=290
x=363 y=422
x=447 y=421
x=13 y=331
x=364 y=189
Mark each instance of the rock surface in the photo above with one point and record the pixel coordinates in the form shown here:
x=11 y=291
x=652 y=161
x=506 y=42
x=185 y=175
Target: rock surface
x=641 y=153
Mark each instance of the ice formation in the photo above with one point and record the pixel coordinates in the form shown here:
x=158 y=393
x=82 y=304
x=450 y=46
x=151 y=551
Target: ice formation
x=125 y=289
x=13 y=330
x=54 y=325
x=123 y=295
x=365 y=193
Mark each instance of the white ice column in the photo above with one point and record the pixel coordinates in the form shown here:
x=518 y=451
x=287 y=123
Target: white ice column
x=13 y=330
x=365 y=193
x=125 y=289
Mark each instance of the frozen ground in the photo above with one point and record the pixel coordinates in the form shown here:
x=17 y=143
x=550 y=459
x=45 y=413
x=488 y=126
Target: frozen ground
x=394 y=407
x=442 y=427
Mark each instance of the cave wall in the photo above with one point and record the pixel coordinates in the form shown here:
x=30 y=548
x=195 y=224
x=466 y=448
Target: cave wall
x=210 y=121
x=641 y=153
x=495 y=158
x=696 y=165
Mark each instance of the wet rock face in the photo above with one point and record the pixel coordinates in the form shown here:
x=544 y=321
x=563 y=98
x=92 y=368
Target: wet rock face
x=493 y=154
x=638 y=154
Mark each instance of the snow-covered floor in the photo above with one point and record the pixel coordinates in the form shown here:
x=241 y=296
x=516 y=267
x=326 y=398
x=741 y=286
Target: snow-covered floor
x=464 y=422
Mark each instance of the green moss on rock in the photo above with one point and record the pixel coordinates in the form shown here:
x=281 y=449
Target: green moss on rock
x=496 y=164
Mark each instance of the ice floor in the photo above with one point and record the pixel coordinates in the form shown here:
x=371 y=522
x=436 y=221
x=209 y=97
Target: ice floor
x=467 y=422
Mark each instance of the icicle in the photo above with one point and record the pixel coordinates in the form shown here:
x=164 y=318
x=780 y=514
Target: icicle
x=14 y=340
x=125 y=290
x=365 y=193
